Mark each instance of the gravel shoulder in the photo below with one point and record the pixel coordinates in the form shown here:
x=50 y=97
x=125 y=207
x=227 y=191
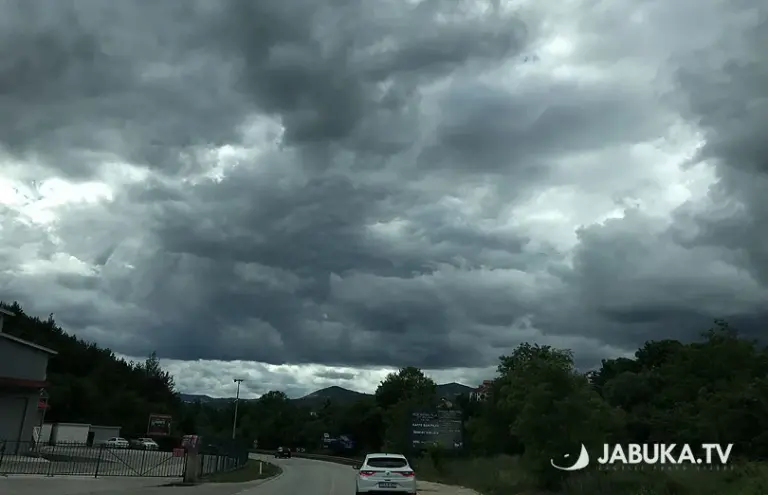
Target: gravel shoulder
x=427 y=487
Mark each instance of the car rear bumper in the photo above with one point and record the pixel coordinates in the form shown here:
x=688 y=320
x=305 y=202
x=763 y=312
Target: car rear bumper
x=366 y=486
x=388 y=491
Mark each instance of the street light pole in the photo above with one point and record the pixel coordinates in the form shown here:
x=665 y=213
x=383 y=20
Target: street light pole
x=237 y=399
x=44 y=400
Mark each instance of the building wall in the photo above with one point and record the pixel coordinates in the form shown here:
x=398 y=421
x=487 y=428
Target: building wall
x=45 y=434
x=18 y=361
x=101 y=434
x=18 y=412
x=70 y=433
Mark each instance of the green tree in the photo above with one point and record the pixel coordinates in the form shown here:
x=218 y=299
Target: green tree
x=406 y=383
x=551 y=409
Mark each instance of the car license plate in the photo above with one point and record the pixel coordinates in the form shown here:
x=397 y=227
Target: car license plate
x=387 y=485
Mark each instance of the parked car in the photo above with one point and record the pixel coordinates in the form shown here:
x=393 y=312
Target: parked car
x=283 y=453
x=144 y=444
x=117 y=443
x=390 y=472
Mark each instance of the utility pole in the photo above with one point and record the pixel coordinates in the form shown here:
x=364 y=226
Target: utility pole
x=237 y=399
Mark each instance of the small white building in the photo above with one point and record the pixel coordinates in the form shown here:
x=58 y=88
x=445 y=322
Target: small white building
x=481 y=393
x=100 y=434
x=42 y=434
x=75 y=434
x=69 y=434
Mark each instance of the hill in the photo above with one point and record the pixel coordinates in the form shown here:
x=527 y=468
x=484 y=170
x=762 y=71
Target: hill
x=335 y=394
x=452 y=390
x=205 y=399
x=339 y=395
x=342 y=395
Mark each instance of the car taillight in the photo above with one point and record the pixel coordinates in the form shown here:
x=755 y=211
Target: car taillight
x=407 y=473
x=367 y=473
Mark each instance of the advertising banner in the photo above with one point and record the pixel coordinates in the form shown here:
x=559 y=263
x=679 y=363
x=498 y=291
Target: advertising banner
x=439 y=428
x=159 y=425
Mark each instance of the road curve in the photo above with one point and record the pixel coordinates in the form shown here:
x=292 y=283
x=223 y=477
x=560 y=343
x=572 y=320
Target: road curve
x=306 y=476
x=302 y=476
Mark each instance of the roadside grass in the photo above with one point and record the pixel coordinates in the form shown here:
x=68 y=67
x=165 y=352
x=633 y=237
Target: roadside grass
x=502 y=475
x=250 y=472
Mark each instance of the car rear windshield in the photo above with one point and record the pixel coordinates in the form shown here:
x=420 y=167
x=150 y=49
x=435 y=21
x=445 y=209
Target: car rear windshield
x=387 y=462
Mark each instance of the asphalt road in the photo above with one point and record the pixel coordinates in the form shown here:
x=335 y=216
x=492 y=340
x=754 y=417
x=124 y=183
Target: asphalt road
x=300 y=476
x=307 y=476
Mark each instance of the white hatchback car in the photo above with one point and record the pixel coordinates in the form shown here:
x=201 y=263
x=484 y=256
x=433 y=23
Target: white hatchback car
x=117 y=443
x=386 y=473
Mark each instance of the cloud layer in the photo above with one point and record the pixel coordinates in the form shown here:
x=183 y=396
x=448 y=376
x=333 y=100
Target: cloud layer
x=376 y=184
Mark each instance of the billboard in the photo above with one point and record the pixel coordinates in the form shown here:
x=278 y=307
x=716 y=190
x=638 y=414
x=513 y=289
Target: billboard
x=342 y=442
x=441 y=428
x=159 y=425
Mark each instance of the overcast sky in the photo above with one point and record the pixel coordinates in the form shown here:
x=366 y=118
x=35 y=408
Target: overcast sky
x=308 y=193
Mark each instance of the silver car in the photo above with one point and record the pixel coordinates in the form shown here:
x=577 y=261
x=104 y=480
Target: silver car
x=145 y=444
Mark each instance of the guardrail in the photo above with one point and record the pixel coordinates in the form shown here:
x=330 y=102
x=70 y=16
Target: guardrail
x=349 y=461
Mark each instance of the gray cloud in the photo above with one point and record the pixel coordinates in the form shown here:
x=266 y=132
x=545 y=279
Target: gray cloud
x=354 y=184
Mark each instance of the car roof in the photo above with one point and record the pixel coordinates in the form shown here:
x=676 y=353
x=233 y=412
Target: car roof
x=394 y=456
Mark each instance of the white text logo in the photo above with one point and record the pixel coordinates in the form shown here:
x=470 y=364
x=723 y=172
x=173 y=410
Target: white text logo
x=708 y=454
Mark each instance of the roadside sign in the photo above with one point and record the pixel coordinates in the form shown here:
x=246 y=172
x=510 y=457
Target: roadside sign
x=159 y=425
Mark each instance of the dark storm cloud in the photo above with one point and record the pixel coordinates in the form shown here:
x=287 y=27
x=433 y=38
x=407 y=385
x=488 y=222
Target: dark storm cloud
x=336 y=375
x=487 y=128
x=402 y=192
x=726 y=94
x=82 y=82
x=318 y=64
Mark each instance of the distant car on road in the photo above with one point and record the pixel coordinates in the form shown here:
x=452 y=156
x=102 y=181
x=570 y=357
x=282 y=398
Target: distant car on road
x=144 y=444
x=117 y=443
x=283 y=453
x=391 y=473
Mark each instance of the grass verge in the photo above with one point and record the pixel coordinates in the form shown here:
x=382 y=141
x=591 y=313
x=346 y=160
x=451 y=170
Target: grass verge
x=253 y=470
x=503 y=475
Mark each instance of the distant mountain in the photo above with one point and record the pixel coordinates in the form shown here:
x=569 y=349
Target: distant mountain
x=335 y=394
x=452 y=390
x=195 y=398
x=205 y=399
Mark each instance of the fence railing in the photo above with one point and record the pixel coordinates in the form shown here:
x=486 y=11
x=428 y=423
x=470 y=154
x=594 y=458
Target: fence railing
x=83 y=460
x=350 y=461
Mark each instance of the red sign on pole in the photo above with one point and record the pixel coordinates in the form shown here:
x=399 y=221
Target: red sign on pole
x=159 y=425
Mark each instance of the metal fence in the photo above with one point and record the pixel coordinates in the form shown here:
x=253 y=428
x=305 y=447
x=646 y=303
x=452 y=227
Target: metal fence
x=82 y=460
x=225 y=449
x=351 y=461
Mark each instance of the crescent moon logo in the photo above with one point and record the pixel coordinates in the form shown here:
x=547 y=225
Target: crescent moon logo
x=581 y=462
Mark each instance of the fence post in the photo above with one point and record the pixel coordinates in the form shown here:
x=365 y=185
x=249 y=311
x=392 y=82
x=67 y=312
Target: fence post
x=2 y=451
x=50 y=464
x=98 y=461
x=194 y=465
x=261 y=467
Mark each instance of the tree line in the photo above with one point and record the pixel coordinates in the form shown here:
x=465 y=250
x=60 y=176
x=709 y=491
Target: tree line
x=539 y=405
